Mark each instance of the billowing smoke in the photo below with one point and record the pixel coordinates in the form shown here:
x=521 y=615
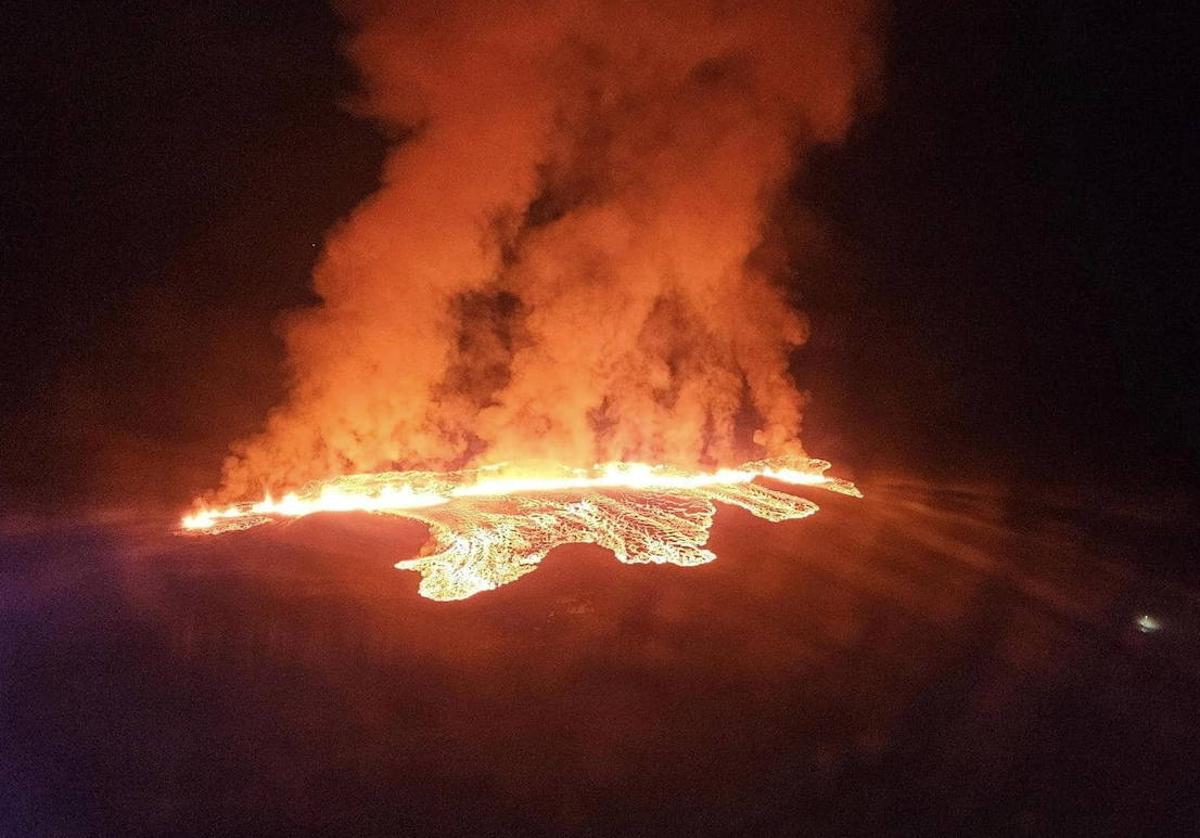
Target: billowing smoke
x=565 y=258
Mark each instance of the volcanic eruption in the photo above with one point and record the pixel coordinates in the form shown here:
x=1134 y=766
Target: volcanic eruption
x=560 y=318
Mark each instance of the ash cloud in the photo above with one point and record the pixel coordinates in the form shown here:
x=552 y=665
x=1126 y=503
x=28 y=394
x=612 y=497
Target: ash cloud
x=565 y=256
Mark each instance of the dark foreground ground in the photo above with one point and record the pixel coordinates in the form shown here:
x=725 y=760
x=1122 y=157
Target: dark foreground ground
x=931 y=659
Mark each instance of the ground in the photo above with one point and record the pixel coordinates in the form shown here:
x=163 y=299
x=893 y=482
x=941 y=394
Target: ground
x=937 y=659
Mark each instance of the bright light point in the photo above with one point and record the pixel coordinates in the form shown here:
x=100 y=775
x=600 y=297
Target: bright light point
x=1148 y=623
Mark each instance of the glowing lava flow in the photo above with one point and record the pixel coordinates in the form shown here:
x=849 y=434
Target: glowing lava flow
x=491 y=526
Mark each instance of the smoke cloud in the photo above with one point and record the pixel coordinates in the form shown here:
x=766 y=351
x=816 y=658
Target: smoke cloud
x=565 y=257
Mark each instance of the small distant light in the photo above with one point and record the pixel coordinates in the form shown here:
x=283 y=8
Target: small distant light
x=1147 y=623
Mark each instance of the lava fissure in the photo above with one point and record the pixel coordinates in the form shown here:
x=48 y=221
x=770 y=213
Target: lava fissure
x=489 y=527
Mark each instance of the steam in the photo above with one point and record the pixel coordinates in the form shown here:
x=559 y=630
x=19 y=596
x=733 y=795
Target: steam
x=564 y=259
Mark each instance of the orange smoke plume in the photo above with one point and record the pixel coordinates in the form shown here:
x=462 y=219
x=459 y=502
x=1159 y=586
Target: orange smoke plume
x=563 y=260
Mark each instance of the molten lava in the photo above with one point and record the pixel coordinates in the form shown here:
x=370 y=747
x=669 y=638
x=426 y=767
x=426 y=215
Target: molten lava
x=492 y=525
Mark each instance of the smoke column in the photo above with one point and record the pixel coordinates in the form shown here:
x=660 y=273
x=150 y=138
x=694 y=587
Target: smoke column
x=564 y=259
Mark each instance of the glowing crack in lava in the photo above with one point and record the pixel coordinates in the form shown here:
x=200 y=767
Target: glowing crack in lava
x=490 y=526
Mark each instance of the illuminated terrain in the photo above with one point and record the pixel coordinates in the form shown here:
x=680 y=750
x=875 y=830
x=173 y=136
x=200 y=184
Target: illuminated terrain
x=491 y=526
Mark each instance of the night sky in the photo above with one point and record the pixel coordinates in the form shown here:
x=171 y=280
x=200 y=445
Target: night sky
x=1005 y=282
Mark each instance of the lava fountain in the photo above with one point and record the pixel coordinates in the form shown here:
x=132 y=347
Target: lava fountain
x=490 y=526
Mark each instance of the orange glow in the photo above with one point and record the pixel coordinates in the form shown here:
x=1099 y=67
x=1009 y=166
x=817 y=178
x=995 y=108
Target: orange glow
x=490 y=526
x=573 y=256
